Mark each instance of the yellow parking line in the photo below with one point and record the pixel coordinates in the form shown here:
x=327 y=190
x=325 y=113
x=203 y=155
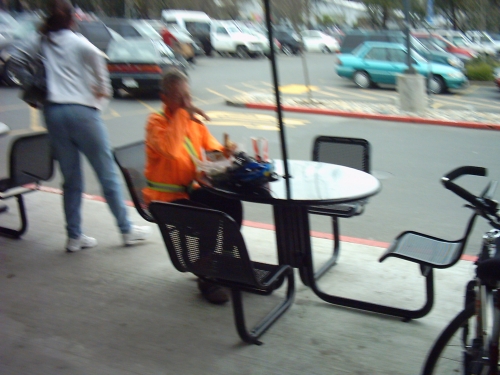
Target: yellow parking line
x=151 y=109
x=255 y=88
x=218 y=94
x=437 y=105
x=113 y=112
x=196 y=99
x=35 y=120
x=20 y=131
x=235 y=89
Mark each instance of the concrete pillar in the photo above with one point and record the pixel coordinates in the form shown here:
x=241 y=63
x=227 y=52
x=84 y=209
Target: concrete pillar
x=412 y=92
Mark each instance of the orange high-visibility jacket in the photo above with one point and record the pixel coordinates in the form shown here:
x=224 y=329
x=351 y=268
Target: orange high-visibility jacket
x=167 y=159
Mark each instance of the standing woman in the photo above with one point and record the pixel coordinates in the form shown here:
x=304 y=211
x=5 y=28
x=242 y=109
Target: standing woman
x=77 y=83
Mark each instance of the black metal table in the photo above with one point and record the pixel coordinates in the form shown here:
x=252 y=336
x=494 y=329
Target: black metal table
x=312 y=183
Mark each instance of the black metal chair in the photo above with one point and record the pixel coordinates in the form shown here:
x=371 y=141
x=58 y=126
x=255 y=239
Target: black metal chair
x=131 y=159
x=30 y=162
x=349 y=152
x=209 y=244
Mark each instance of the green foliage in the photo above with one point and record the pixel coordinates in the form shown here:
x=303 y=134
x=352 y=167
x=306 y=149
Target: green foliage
x=325 y=20
x=481 y=69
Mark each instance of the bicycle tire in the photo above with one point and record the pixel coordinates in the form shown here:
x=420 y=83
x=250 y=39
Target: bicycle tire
x=451 y=341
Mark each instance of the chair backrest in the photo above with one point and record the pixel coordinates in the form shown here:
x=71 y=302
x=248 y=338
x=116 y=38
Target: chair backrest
x=30 y=159
x=203 y=241
x=131 y=159
x=349 y=152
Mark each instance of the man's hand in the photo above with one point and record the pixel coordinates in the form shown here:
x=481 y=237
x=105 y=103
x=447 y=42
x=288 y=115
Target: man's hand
x=197 y=111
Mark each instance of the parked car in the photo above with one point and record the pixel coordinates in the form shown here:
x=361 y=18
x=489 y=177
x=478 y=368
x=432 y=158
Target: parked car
x=484 y=39
x=289 y=40
x=132 y=28
x=431 y=40
x=227 y=38
x=22 y=31
x=262 y=36
x=136 y=65
x=182 y=36
x=95 y=31
x=353 y=39
x=316 y=41
x=7 y=24
x=195 y=22
x=496 y=74
x=374 y=63
x=459 y=39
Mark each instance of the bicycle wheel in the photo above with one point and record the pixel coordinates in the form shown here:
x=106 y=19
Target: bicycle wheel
x=450 y=353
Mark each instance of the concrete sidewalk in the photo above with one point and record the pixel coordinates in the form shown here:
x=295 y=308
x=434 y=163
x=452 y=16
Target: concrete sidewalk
x=385 y=112
x=115 y=310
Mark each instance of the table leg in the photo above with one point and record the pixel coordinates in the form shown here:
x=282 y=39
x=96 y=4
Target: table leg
x=293 y=237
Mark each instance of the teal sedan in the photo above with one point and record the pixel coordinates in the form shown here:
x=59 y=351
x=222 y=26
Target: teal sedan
x=374 y=63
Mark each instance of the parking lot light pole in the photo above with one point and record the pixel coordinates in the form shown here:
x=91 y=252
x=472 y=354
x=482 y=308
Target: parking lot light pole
x=406 y=8
x=410 y=85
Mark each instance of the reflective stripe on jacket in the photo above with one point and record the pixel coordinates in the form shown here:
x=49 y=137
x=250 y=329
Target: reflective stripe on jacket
x=169 y=161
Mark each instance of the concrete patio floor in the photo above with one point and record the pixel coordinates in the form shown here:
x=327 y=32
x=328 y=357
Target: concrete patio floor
x=115 y=310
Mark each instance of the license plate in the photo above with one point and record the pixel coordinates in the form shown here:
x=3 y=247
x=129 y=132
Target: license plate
x=130 y=83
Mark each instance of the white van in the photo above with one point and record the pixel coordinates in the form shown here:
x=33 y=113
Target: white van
x=196 y=23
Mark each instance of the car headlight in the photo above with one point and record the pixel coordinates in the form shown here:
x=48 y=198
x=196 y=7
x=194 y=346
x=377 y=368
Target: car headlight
x=456 y=62
x=456 y=75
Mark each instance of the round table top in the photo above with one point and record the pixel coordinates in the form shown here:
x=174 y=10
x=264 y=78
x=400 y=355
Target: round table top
x=312 y=183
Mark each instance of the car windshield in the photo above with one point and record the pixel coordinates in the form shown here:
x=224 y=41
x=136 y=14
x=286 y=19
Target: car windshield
x=148 y=31
x=232 y=29
x=136 y=51
x=356 y=50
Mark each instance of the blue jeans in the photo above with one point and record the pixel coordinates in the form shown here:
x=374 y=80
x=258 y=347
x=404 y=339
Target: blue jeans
x=73 y=129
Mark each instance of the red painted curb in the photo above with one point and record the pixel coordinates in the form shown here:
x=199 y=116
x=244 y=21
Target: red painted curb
x=253 y=224
x=371 y=116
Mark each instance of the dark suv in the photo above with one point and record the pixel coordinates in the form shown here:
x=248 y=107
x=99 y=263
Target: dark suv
x=352 y=39
x=289 y=40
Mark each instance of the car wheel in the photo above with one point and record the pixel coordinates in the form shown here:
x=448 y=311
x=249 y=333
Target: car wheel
x=287 y=50
x=437 y=85
x=242 y=52
x=362 y=79
x=9 y=76
x=325 y=49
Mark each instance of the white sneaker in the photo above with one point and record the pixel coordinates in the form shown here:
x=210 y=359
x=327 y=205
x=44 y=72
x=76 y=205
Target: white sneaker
x=136 y=235
x=77 y=244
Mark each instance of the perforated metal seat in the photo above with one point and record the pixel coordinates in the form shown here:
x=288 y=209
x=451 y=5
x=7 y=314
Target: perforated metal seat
x=209 y=244
x=426 y=250
x=349 y=152
x=131 y=159
x=30 y=162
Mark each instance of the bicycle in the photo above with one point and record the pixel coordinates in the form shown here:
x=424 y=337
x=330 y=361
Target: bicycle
x=469 y=344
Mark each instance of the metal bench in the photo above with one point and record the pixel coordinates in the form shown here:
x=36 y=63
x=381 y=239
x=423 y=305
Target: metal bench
x=131 y=159
x=349 y=152
x=30 y=162
x=209 y=244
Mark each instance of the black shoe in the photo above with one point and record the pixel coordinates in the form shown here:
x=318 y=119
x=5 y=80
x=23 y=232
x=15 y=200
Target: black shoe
x=213 y=293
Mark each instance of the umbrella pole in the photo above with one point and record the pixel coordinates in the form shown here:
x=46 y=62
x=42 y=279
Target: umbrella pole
x=284 y=152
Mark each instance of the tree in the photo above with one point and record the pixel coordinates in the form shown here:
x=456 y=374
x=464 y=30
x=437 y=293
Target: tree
x=380 y=11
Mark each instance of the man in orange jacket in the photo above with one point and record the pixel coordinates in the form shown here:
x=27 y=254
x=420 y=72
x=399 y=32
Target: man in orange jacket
x=173 y=139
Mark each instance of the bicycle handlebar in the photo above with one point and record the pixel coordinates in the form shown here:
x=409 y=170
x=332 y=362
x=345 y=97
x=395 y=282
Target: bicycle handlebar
x=484 y=205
